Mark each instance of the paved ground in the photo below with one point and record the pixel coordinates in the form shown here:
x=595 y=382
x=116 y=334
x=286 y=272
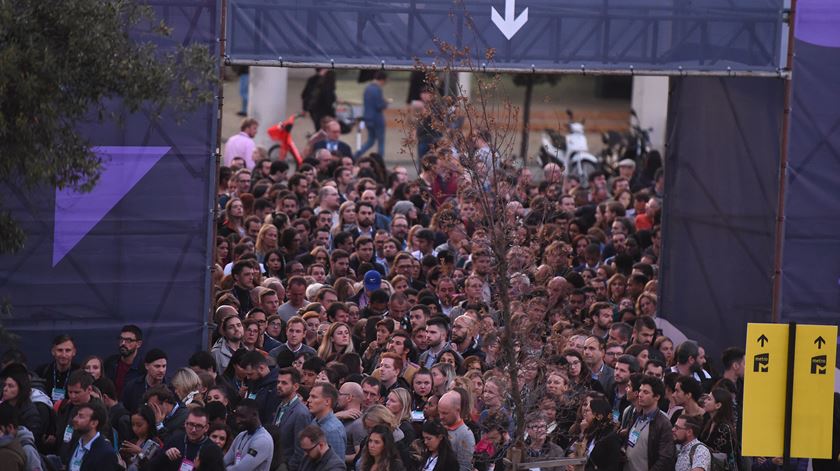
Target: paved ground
x=548 y=108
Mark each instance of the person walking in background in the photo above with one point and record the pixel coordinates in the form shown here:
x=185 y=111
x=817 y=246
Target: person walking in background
x=374 y=118
x=319 y=97
x=242 y=72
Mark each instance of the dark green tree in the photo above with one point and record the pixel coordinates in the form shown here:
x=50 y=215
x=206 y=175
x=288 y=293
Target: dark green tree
x=63 y=64
x=529 y=81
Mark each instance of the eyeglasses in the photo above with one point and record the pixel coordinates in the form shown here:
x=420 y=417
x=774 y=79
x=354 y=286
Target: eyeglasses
x=194 y=426
x=538 y=427
x=127 y=340
x=307 y=450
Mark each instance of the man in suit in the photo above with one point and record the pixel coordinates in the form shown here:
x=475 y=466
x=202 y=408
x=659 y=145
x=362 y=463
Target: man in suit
x=90 y=451
x=332 y=142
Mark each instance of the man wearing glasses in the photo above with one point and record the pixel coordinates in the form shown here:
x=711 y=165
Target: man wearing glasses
x=183 y=447
x=126 y=365
x=318 y=456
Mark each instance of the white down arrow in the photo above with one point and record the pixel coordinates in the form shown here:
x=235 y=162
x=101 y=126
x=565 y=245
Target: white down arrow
x=510 y=24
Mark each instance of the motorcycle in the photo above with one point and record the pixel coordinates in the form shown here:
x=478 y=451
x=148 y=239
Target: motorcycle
x=570 y=150
x=634 y=145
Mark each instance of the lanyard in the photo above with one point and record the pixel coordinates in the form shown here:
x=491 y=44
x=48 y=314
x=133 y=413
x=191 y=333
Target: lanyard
x=645 y=419
x=186 y=444
x=282 y=410
x=55 y=377
x=245 y=443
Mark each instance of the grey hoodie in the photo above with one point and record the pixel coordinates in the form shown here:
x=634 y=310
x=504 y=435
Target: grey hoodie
x=27 y=442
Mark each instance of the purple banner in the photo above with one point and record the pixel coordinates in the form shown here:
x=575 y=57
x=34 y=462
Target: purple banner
x=135 y=249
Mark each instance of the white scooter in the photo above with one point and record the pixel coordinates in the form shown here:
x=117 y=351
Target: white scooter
x=570 y=150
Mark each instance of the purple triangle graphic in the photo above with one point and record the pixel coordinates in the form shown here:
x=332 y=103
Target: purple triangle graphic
x=77 y=213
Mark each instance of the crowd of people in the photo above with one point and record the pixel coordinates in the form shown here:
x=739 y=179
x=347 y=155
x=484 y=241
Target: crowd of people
x=359 y=326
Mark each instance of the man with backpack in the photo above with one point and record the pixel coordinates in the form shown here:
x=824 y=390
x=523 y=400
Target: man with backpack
x=692 y=455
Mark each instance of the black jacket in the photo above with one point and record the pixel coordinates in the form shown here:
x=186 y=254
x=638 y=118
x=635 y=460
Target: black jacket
x=606 y=454
x=188 y=450
x=264 y=392
x=174 y=423
x=136 y=370
x=101 y=456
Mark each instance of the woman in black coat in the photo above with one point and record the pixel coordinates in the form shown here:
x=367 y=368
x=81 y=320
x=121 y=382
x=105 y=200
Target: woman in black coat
x=599 y=442
x=17 y=391
x=438 y=454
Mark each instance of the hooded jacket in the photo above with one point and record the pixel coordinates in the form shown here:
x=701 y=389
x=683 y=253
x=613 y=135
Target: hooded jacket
x=27 y=443
x=11 y=454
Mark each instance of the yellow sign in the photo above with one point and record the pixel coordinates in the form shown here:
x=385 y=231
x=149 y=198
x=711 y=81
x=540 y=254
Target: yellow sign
x=813 y=391
x=765 y=387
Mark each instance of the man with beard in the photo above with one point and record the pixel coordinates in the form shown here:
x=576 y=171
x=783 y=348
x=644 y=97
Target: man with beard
x=365 y=219
x=79 y=393
x=437 y=332
x=126 y=365
x=692 y=453
x=399 y=229
x=445 y=291
x=602 y=319
x=291 y=416
x=231 y=331
x=90 y=450
x=463 y=338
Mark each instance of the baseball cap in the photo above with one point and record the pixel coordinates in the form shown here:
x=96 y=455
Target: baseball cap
x=627 y=163
x=373 y=280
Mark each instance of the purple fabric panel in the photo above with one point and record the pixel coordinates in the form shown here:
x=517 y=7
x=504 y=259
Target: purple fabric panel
x=136 y=249
x=718 y=222
x=811 y=263
x=818 y=22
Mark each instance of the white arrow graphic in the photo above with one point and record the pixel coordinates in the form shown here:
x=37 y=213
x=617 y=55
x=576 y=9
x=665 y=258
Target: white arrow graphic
x=510 y=24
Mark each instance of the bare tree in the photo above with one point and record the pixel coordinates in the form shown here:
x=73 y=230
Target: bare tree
x=474 y=141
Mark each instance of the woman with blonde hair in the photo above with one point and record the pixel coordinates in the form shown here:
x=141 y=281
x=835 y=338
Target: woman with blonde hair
x=337 y=341
x=266 y=241
x=442 y=376
x=187 y=386
x=346 y=218
x=399 y=283
x=320 y=255
x=646 y=305
x=616 y=287
x=398 y=403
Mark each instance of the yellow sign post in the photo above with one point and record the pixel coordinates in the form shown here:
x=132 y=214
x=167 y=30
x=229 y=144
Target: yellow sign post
x=813 y=391
x=789 y=390
x=765 y=385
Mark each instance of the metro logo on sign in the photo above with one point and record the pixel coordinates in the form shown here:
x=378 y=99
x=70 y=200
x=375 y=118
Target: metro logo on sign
x=818 y=365
x=761 y=363
x=813 y=391
x=764 y=390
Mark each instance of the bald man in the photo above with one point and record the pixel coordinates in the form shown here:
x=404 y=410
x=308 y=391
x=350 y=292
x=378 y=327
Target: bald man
x=463 y=338
x=350 y=398
x=553 y=173
x=460 y=436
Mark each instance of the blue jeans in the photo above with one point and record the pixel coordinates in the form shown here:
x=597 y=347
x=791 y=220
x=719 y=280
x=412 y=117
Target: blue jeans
x=376 y=133
x=243 y=91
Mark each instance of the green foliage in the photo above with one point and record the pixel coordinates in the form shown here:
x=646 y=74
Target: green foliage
x=61 y=65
